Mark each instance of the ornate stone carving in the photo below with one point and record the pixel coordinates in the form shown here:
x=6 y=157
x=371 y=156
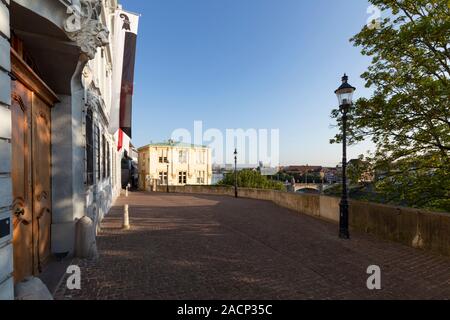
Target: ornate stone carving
x=88 y=76
x=93 y=100
x=84 y=27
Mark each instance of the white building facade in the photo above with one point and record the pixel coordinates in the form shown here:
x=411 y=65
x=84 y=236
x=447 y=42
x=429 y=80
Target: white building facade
x=175 y=164
x=59 y=164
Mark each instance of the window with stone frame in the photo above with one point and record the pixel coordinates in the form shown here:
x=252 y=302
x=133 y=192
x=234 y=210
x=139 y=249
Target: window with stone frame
x=163 y=155
x=201 y=177
x=113 y=167
x=97 y=149
x=163 y=177
x=108 y=164
x=182 y=177
x=104 y=172
x=89 y=149
x=182 y=156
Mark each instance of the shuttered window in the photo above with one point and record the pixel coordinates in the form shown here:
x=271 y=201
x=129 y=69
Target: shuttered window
x=89 y=149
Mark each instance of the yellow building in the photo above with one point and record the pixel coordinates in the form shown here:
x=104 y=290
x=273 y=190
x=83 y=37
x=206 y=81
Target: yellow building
x=174 y=163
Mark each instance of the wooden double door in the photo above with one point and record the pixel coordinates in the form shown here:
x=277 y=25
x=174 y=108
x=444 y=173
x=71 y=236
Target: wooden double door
x=31 y=170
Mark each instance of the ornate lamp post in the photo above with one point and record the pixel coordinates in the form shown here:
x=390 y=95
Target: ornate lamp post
x=235 y=174
x=344 y=94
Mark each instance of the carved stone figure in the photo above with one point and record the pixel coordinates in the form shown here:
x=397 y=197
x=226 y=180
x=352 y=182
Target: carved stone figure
x=84 y=27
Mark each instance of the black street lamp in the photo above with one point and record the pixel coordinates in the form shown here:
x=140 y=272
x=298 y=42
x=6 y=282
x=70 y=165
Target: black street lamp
x=345 y=95
x=235 y=174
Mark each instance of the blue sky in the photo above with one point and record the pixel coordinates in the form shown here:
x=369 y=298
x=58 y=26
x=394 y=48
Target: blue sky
x=263 y=64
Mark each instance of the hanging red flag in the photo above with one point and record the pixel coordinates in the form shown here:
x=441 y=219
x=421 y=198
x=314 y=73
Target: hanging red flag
x=120 y=142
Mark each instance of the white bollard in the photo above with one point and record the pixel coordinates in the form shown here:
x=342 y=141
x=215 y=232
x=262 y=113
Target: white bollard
x=126 y=191
x=126 y=218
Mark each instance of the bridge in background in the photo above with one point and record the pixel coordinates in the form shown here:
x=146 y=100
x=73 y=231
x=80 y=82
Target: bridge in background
x=312 y=186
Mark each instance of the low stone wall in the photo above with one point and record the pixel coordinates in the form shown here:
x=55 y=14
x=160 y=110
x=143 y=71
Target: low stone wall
x=417 y=228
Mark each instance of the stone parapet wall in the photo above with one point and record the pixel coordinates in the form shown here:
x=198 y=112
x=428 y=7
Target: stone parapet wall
x=413 y=227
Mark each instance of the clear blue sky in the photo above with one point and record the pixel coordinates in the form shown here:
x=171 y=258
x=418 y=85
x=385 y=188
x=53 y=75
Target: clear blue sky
x=247 y=64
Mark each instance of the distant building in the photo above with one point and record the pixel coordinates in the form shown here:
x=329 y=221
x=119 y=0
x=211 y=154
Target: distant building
x=267 y=171
x=174 y=163
x=332 y=175
x=301 y=169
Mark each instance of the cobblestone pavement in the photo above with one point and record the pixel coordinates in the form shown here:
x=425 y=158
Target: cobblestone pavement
x=213 y=247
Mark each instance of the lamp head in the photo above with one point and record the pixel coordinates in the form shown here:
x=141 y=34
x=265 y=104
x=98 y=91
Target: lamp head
x=345 y=92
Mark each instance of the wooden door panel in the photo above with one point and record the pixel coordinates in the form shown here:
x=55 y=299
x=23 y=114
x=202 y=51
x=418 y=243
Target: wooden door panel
x=31 y=168
x=21 y=177
x=42 y=178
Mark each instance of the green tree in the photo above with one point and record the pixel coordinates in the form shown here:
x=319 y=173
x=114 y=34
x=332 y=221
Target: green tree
x=357 y=169
x=408 y=116
x=251 y=179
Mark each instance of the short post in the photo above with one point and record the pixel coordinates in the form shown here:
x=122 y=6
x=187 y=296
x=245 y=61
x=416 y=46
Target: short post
x=126 y=218
x=235 y=174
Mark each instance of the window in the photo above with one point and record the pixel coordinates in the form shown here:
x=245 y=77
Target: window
x=182 y=177
x=182 y=156
x=108 y=165
x=201 y=157
x=97 y=149
x=104 y=156
x=89 y=149
x=200 y=177
x=113 y=168
x=163 y=177
x=163 y=155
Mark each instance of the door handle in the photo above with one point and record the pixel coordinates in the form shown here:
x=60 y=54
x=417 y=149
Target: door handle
x=19 y=212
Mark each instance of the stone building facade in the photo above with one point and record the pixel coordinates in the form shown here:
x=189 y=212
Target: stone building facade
x=59 y=164
x=174 y=163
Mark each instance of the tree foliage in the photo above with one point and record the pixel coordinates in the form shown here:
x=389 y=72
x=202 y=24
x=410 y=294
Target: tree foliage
x=408 y=116
x=251 y=179
x=357 y=169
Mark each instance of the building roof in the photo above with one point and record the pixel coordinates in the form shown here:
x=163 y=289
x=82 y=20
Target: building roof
x=175 y=144
x=302 y=169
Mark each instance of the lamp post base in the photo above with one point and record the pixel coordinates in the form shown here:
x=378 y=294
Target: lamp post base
x=344 y=234
x=343 y=220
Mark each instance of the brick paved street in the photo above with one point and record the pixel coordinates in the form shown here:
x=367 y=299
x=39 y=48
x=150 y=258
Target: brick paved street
x=213 y=247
